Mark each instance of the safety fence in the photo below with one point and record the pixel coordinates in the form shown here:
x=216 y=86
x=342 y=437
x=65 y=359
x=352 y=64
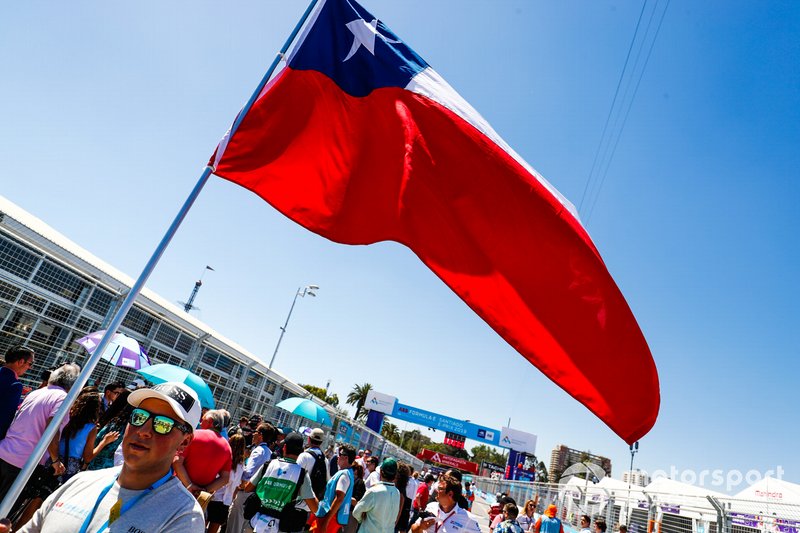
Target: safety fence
x=346 y=431
x=645 y=511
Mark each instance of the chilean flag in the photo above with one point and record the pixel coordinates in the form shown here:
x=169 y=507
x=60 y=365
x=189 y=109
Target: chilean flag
x=359 y=140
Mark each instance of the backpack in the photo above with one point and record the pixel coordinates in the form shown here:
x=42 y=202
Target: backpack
x=290 y=517
x=318 y=474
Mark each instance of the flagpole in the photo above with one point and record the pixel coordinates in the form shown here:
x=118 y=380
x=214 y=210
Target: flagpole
x=280 y=55
x=25 y=473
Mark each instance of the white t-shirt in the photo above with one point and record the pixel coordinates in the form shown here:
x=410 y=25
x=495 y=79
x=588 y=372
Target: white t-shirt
x=168 y=508
x=307 y=460
x=343 y=484
x=458 y=520
x=411 y=488
x=225 y=494
x=373 y=479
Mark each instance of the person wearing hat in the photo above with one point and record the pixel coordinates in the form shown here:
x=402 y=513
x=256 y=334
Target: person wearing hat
x=378 y=510
x=143 y=494
x=444 y=515
x=313 y=460
x=249 y=429
x=549 y=523
x=279 y=484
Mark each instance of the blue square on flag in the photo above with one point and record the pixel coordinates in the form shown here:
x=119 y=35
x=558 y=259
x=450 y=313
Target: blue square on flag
x=356 y=50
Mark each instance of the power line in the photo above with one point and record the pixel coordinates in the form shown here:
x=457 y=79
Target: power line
x=630 y=105
x=613 y=102
x=630 y=102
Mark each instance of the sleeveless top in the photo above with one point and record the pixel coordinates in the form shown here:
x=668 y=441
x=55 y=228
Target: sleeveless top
x=550 y=525
x=76 y=443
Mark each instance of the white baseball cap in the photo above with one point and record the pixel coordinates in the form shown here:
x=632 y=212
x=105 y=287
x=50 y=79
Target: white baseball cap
x=135 y=384
x=179 y=396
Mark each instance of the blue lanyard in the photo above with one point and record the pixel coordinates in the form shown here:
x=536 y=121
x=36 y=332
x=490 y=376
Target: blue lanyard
x=130 y=503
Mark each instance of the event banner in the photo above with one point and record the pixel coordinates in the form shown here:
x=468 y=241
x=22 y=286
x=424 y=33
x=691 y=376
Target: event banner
x=517 y=440
x=448 y=460
x=469 y=430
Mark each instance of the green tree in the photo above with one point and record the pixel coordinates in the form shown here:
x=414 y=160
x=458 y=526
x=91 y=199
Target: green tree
x=358 y=397
x=319 y=392
x=413 y=441
x=391 y=432
x=484 y=452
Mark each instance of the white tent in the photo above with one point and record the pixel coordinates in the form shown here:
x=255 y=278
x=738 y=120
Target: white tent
x=619 y=489
x=690 y=499
x=771 y=490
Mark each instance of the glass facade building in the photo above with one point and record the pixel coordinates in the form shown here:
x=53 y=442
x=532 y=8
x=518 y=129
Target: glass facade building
x=52 y=292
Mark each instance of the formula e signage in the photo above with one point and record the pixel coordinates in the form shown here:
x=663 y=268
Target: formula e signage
x=517 y=440
x=425 y=418
x=448 y=460
x=377 y=401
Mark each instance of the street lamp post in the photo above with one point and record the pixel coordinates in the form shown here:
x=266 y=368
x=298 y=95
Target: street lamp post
x=301 y=292
x=634 y=450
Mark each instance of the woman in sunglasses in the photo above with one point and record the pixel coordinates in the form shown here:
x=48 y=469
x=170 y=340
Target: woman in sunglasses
x=528 y=517
x=142 y=495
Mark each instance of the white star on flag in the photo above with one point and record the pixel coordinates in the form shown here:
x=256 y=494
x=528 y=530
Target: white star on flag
x=364 y=34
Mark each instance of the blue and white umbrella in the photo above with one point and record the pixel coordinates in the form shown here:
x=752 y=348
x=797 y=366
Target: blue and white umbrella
x=121 y=351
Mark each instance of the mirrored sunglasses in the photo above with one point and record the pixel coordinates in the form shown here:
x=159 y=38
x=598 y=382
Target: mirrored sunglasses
x=161 y=424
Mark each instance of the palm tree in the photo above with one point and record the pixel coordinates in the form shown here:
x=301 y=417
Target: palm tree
x=358 y=397
x=391 y=432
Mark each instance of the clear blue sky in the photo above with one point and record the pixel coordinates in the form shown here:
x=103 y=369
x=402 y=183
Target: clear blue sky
x=110 y=111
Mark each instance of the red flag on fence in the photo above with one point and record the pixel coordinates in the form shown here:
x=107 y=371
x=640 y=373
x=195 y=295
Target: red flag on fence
x=359 y=140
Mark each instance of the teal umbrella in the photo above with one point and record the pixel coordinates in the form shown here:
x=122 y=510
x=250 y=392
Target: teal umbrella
x=306 y=409
x=165 y=372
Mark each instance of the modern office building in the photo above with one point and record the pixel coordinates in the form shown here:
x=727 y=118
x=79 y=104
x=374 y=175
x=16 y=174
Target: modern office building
x=563 y=457
x=53 y=292
x=637 y=478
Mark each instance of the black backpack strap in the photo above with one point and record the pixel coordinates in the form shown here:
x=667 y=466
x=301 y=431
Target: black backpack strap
x=299 y=483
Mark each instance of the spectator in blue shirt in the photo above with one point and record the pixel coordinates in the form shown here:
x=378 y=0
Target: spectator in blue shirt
x=19 y=359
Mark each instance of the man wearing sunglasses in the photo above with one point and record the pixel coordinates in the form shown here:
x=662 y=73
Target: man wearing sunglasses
x=142 y=495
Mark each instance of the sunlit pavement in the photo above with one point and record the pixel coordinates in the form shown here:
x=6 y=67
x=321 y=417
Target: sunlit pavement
x=481 y=509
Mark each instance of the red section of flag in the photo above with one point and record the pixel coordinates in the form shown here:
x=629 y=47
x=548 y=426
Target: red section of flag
x=448 y=460
x=398 y=166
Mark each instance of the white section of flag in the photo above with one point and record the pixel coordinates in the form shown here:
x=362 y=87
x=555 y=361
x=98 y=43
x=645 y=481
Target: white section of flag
x=430 y=84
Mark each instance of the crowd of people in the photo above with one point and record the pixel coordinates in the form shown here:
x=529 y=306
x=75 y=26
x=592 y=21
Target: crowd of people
x=512 y=519
x=136 y=458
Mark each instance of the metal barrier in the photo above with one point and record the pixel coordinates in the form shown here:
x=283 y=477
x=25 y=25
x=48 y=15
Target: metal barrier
x=644 y=511
x=361 y=437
